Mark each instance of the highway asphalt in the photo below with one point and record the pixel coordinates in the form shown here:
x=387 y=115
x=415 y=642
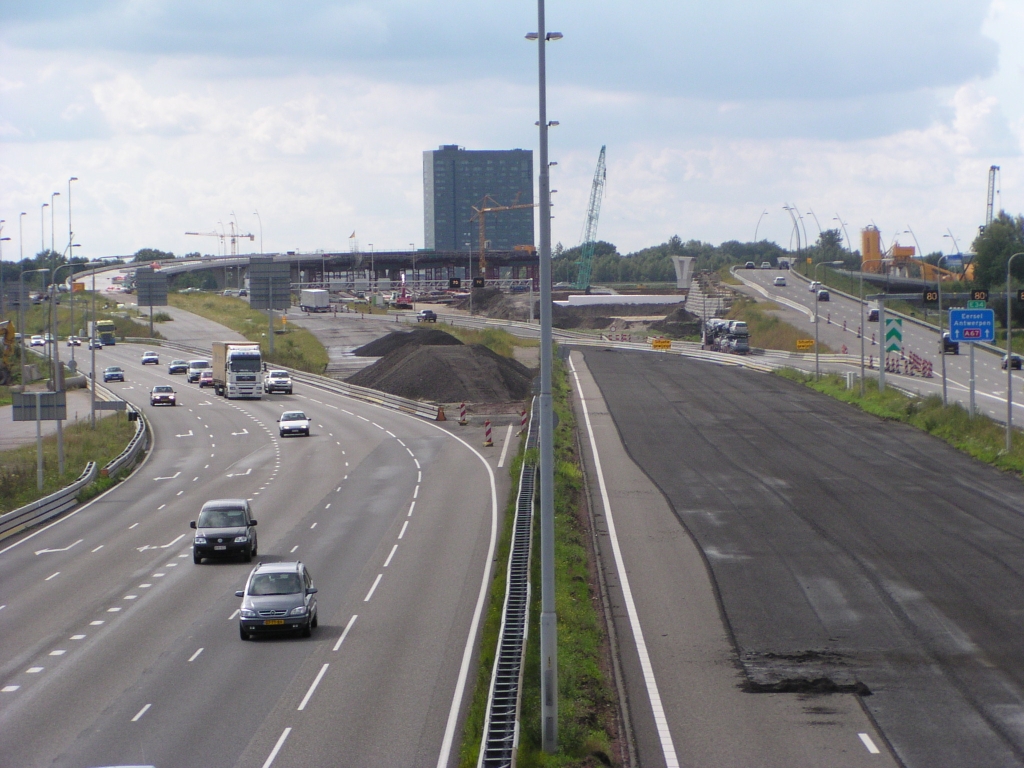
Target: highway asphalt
x=115 y=649
x=840 y=548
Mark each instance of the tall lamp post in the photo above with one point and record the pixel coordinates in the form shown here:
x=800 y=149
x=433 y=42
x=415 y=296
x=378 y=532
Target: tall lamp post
x=1009 y=359
x=863 y=330
x=238 y=267
x=548 y=616
x=763 y=214
x=847 y=234
x=71 y=255
x=818 y=266
x=3 y=307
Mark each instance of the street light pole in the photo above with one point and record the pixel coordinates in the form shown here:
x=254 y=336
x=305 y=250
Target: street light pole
x=818 y=266
x=763 y=214
x=21 y=313
x=863 y=329
x=1009 y=359
x=71 y=256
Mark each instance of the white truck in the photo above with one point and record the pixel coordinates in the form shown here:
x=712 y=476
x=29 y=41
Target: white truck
x=314 y=300
x=237 y=369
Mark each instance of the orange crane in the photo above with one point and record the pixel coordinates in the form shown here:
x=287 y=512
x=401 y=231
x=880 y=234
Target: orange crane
x=479 y=214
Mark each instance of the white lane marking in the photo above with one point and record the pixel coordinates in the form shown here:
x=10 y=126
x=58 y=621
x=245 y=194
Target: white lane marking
x=338 y=489
x=293 y=549
x=419 y=476
x=344 y=634
x=206 y=466
x=404 y=526
x=277 y=748
x=504 y=448
x=142 y=711
x=10 y=688
x=363 y=418
x=312 y=526
x=416 y=492
x=172 y=543
x=2 y=607
x=98 y=548
x=390 y=432
x=869 y=743
x=171 y=477
x=188 y=435
x=409 y=451
x=145 y=586
x=33 y=670
x=316 y=682
x=59 y=652
x=236 y=434
x=171 y=565
x=375 y=583
x=77 y=637
x=159 y=575
x=113 y=610
x=96 y=623
x=399 y=441
x=314 y=400
x=179 y=493
x=388 y=561
x=661 y=722
x=132 y=526
x=195 y=655
x=235 y=614
x=411 y=508
x=52 y=576
x=348 y=412
x=416 y=462
x=195 y=478
x=130 y=597
x=62 y=549
x=164 y=505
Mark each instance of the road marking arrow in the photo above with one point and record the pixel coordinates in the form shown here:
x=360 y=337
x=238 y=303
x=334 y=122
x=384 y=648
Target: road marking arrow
x=168 y=478
x=188 y=435
x=241 y=474
x=62 y=549
x=172 y=543
x=243 y=432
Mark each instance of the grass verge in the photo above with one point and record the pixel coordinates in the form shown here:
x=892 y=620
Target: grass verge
x=586 y=714
x=978 y=436
x=498 y=341
x=81 y=445
x=295 y=347
x=767 y=331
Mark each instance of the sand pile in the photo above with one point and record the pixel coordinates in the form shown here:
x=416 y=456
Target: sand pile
x=448 y=374
x=678 y=324
x=398 y=339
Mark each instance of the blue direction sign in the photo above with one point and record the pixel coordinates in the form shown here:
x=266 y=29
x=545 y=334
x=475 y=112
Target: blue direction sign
x=972 y=324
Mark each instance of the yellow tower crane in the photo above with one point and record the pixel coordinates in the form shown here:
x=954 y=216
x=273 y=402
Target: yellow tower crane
x=479 y=213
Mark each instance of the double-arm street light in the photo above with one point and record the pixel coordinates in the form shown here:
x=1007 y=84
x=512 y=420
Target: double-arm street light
x=818 y=266
x=1009 y=358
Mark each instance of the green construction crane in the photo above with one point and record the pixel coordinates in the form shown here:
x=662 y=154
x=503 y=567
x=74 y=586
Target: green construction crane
x=586 y=260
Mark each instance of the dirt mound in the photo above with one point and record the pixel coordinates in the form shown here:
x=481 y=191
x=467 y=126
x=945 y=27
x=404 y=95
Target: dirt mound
x=419 y=337
x=448 y=374
x=678 y=324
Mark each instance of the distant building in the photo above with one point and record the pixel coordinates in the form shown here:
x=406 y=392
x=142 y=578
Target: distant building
x=456 y=179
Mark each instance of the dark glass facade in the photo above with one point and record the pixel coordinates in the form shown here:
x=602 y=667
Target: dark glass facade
x=456 y=179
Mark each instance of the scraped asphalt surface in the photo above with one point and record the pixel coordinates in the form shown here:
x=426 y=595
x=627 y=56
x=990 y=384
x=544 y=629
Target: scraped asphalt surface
x=846 y=551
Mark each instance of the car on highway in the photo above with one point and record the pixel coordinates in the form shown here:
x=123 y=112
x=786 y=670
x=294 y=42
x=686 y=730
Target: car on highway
x=242 y=293
x=779 y=281
x=150 y=357
x=426 y=316
x=95 y=344
x=74 y=341
x=766 y=265
x=872 y=315
x=278 y=597
x=113 y=373
x=750 y=265
x=947 y=345
x=823 y=295
x=293 y=423
x=37 y=341
x=195 y=367
x=163 y=394
x=278 y=381
x=177 y=366
x=206 y=378
x=814 y=286
x=225 y=528
x=1016 y=361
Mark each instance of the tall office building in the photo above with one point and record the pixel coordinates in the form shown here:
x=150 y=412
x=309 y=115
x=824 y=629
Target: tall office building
x=456 y=179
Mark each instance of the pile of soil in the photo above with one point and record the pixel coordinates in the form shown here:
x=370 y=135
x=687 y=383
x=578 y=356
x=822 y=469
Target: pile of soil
x=448 y=374
x=678 y=324
x=420 y=337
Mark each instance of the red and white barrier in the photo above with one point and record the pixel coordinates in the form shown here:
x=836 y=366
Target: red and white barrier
x=488 y=443
x=462 y=415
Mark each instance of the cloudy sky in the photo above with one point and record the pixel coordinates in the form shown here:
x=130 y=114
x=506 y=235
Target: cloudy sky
x=186 y=115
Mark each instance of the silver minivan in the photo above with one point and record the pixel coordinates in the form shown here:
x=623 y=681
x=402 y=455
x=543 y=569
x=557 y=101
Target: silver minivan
x=195 y=368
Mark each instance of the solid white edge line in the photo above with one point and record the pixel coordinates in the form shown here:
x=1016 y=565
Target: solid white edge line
x=375 y=583
x=474 y=627
x=504 y=448
x=869 y=743
x=660 y=721
x=141 y=713
x=344 y=634
x=386 y=562
x=277 y=748
x=316 y=682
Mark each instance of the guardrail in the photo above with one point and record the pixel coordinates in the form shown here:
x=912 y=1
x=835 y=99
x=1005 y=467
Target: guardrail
x=47 y=507
x=501 y=726
x=137 y=444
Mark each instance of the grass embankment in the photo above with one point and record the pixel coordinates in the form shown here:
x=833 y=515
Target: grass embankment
x=294 y=347
x=980 y=436
x=586 y=713
x=38 y=321
x=81 y=445
x=498 y=341
x=766 y=330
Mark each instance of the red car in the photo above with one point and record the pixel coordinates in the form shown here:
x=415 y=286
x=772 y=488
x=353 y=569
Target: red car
x=206 y=379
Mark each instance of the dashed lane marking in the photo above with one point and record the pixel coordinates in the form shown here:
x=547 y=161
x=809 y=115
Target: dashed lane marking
x=141 y=713
x=374 y=587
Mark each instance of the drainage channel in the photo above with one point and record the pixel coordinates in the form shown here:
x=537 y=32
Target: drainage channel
x=501 y=729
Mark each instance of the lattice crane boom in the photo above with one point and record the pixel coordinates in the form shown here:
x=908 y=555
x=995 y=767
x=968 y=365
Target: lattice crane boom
x=479 y=213
x=586 y=260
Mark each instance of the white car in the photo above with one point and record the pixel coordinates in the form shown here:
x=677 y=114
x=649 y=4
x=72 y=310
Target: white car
x=780 y=281
x=814 y=286
x=37 y=341
x=278 y=381
x=150 y=358
x=293 y=423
